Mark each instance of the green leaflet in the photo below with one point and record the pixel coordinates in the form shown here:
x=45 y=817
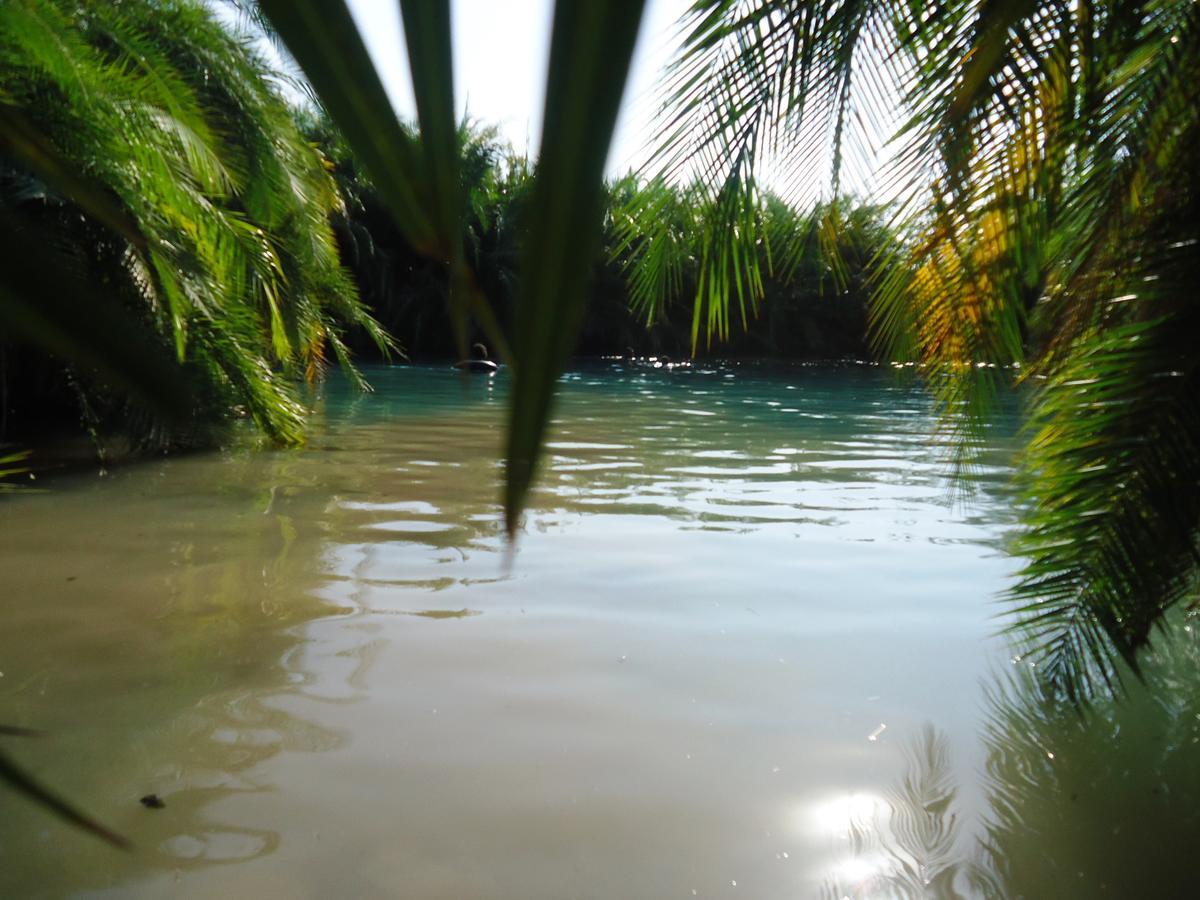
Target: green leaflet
x=589 y=60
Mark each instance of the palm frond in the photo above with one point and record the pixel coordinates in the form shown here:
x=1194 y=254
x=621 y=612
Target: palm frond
x=590 y=51
x=20 y=781
x=1113 y=535
x=164 y=130
x=794 y=98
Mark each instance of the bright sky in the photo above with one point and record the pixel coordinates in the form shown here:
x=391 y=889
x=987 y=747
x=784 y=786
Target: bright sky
x=501 y=50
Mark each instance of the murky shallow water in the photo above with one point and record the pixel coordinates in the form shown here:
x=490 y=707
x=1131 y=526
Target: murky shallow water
x=745 y=648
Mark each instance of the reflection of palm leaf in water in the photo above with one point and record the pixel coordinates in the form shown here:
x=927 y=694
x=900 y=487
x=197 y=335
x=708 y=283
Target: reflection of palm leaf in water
x=915 y=841
x=923 y=823
x=1076 y=806
x=1080 y=805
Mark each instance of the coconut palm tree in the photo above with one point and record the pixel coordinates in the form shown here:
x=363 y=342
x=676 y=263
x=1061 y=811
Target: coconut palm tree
x=148 y=164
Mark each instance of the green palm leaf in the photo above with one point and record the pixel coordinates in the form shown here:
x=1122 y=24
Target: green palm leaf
x=589 y=58
x=326 y=44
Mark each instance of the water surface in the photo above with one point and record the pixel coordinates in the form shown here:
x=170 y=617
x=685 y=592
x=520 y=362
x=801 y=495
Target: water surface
x=745 y=646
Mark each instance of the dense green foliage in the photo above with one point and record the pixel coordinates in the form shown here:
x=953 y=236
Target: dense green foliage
x=169 y=212
x=814 y=306
x=811 y=271
x=406 y=289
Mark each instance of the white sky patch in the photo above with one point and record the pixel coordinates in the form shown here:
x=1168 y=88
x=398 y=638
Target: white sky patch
x=501 y=52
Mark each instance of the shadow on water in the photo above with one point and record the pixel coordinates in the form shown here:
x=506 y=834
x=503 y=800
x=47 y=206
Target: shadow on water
x=161 y=642
x=1101 y=804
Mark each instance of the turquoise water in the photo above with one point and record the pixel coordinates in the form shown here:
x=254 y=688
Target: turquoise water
x=745 y=646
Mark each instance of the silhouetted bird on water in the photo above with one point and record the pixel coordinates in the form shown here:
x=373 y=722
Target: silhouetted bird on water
x=479 y=362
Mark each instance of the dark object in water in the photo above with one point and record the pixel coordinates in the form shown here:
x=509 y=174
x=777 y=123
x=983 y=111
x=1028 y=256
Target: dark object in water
x=152 y=801
x=657 y=362
x=479 y=363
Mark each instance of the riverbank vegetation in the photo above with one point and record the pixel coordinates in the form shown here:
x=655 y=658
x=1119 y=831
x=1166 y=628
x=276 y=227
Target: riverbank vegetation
x=813 y=306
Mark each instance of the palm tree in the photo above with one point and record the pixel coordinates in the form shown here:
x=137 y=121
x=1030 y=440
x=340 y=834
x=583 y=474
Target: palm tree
x=145 y=148
x=815 y=263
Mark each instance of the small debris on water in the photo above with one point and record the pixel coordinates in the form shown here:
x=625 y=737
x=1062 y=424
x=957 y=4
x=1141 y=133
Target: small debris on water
x=152 y=801
x=874 y=735
x=445 y=613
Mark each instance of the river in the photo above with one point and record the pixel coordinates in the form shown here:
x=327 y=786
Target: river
x=744 y=646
